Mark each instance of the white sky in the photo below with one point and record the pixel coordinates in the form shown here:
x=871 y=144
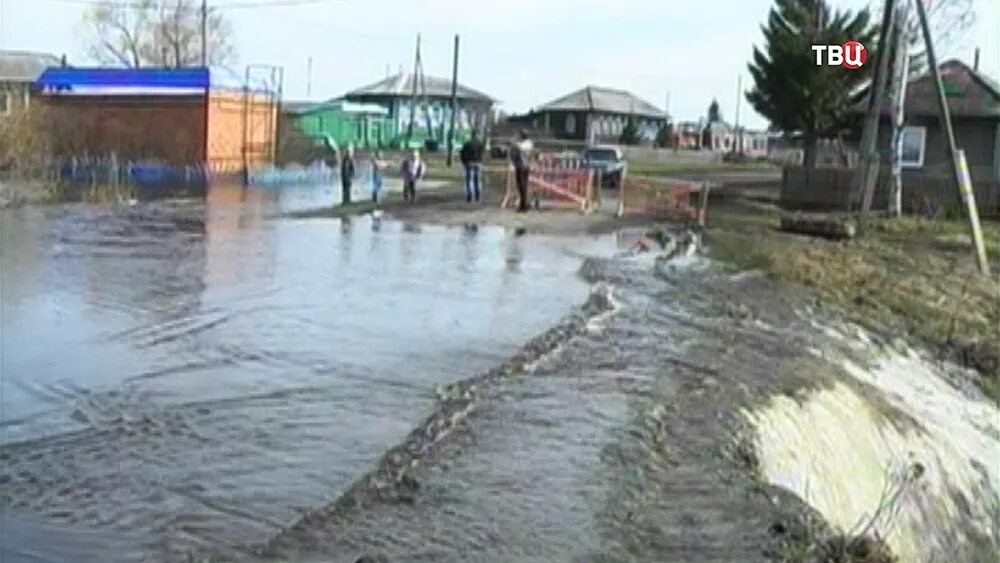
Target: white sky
x=523 y=52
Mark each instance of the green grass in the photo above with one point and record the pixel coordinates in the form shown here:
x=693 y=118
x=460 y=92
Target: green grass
x=911 y=275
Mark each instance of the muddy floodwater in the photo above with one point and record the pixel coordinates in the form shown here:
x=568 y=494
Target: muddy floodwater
x=208 y=381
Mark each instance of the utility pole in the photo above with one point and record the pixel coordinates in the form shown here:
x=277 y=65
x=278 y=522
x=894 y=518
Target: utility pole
x=869 y=165
x=204 y=33
x=309 y=78
x=413 y=95
x=454 y=101
x=959 y=166
x=901 y=64
x=738 y=141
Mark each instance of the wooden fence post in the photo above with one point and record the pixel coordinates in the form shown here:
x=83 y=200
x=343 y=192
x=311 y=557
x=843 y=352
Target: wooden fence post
x=703 y=203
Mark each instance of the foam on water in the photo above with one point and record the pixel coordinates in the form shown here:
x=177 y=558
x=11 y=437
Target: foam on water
x=842 y=446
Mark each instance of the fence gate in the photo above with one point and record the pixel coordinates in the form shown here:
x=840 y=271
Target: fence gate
x=261 y=98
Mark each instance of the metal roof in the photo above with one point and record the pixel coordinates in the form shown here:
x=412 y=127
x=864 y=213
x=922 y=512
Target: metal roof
x=141 y=81
x=25 y=66
x=604 y=100
x=302 y=108
x=401 y=85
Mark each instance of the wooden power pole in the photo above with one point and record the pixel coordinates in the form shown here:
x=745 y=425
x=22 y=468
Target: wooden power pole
x=454 y=101
x=901 y=67
x=204 y=33
x=956 y=156
x=869 y=165
x=413 y=95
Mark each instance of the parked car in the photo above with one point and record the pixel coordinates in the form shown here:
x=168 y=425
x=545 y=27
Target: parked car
x=608 y=161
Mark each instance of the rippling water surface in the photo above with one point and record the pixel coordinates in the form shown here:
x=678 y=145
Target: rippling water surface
x=189 y=374
x=194 y=379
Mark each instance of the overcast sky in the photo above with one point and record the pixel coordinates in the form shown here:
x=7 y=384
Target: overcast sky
x=522 y=52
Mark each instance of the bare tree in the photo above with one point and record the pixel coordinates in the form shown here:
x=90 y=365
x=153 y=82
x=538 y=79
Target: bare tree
x=119 y=32
x=948 y=20
x=164 y=33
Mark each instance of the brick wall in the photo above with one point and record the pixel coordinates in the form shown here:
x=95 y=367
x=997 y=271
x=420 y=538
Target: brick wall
x=164 y=128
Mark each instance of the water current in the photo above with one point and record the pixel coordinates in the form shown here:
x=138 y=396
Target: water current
x=203 y=380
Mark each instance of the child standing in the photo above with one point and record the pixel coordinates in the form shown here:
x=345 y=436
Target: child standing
x=413 y=170
x=376 y=163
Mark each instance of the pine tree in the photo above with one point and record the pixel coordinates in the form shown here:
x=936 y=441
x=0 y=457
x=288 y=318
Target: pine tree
x=714 y=114
x=630 y=133
x=794 y=93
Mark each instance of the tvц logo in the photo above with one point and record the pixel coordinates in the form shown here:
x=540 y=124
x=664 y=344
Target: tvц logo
x=851 y=54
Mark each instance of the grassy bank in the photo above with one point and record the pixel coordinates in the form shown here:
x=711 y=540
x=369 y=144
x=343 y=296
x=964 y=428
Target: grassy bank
x=910 y=275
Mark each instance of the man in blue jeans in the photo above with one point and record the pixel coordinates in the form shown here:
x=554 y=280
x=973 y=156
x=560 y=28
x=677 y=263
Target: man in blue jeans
x=471 y=156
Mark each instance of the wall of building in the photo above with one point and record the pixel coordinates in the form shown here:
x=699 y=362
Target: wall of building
x=165 y=128
x=978 y=137
x=14 y=97
x=238 y=122
x=470 y=115
x=361 y=130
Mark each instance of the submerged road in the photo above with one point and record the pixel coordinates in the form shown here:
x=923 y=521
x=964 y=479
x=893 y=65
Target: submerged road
x=192 y=381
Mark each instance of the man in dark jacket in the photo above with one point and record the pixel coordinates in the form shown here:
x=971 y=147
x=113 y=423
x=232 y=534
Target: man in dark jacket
x=471 y=156
x=347 y=175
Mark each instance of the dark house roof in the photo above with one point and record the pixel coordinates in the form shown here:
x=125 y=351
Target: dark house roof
x=969 y=93
x=604 y=100
x=297 y=107
x=25 y=66
x=401 y=85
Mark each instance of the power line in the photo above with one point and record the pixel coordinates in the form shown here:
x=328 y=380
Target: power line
x=248 y=5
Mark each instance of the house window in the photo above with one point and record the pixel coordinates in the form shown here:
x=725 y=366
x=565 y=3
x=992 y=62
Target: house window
x=571 y=124
x=914 y=141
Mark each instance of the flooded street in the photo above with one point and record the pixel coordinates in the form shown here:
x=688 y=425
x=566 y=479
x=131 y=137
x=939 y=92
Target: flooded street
x=197 y=380
x=178 y=375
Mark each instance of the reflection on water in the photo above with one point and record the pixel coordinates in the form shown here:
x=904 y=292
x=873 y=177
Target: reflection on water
x=192 y=377
x=199 y=374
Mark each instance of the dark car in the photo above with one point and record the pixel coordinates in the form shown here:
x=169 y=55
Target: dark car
x=608 y=161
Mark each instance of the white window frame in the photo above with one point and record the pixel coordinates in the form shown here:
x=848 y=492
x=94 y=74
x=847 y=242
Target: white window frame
x=571 y=124
x=919 y=163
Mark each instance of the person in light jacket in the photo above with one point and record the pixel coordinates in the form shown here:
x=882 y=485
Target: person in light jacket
x=347 y=175
x=376 y=163
x=413 y=170
x=520 y=158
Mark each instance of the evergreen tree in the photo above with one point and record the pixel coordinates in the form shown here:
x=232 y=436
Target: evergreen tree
x=630 y=133
x=665 y=136
x=714 y=114
x=795 y=94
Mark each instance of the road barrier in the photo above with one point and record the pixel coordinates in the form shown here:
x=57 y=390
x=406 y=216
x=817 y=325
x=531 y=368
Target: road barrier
x=556 y=182
x=664 y=197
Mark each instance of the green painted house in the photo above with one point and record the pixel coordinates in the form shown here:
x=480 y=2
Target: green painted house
x=431 y=114
x=343 y=122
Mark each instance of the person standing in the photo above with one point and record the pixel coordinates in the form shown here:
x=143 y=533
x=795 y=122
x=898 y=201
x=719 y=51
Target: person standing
x=413 y=170
x=520 y=158
x=376 y=163
x=347 y=175
x=471 y=156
